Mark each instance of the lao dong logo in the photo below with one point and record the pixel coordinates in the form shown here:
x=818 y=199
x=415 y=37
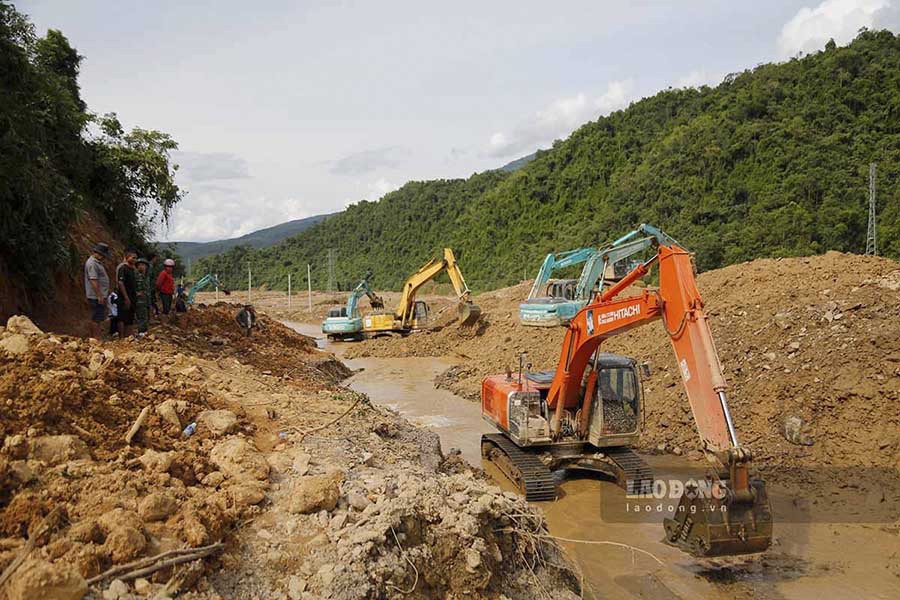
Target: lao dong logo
x=674 y=489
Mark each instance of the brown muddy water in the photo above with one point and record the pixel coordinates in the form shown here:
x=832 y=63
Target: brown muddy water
x=807 y=561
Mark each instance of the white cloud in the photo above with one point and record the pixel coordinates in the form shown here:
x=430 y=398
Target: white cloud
x=379 y=188
x=811 y=28
x=559 y=119
x=698 y=78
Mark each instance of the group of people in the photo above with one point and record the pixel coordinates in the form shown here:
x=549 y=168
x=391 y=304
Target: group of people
x=128 y=300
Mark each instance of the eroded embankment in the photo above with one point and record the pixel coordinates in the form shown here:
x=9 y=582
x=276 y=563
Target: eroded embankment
x=291 y=471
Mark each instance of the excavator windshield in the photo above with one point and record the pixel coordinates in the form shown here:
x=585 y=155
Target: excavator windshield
x=619 y=395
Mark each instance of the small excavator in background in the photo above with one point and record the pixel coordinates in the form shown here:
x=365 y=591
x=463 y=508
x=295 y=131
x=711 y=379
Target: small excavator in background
x=346 y=322
x=554 y=302
x=412 y=314
x=585 y=414
x=204 y=282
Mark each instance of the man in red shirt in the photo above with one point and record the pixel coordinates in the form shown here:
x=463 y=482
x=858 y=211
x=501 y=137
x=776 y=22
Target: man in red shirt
x=165 y=285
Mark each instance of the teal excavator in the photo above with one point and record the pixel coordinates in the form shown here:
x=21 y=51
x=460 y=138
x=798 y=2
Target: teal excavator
x=555 y=302
x=346 y=322
x=204 y=282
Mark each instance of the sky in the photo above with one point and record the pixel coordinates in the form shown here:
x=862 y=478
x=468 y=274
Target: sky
x=284 y=110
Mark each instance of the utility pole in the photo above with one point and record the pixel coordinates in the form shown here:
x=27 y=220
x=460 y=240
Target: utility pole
x=289 y=291
x=217 y=287
x=249 y=286
x=331 y=278
x=871 y=234
x=309 y=285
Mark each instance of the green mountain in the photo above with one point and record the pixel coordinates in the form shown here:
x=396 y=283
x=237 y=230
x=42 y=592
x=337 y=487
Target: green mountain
x=262 y=238
x=772 y=162
x=517 y=164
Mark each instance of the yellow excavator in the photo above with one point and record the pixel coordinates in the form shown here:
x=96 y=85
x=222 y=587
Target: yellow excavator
x=412 y=314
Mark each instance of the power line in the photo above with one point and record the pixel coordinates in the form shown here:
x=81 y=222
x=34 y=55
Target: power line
x=871 y=234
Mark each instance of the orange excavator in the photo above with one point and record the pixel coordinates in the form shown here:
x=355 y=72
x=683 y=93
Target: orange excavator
x=586 y=414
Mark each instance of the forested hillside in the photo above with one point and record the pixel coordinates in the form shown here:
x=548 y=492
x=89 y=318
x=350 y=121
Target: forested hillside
x=59 y=162
x=771 y=162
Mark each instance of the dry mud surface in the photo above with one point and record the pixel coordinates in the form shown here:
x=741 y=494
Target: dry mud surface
x=312 y=491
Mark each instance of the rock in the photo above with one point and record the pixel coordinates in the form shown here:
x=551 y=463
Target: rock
x=117 y=589
x=157 y=461
x=168 y=413
x=157 y=506
x=770 y=355
x=247 y=494
x=15 y=447
x=119 y=517
x=142 y=586
x=124 y=543
x=316 y=492
x=15 y=344
x=473 y=560
x=57 y=449
x=296 y=587
x=783 y=320
x=677 y=451
x=358 y=501
x=218 y=422
x=86 y=532
x=301 y=463
x=22 y=324
x=793 y=432
x=238 y=459
x=794 y=346
x=367 y=458
x=338 y=521
x=36 y=578
x=214 y=479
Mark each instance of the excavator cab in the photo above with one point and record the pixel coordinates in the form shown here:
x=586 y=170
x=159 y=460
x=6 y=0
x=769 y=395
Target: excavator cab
x=616 y=408
x=420 y=315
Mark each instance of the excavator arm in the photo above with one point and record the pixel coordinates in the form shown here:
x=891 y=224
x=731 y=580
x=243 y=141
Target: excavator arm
x=745 y=522
x=469 y=312
x=204 y=282
x=554 y=262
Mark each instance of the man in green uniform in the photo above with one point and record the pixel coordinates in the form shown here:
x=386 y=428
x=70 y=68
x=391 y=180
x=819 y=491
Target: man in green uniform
x=143 y=296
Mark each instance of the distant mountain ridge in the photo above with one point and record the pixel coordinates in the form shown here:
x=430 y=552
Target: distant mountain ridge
x=262 y=238
x=772 y=162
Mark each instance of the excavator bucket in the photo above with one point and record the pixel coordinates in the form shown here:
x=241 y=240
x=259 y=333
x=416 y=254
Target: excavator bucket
x=468 y=313
x=707 y=527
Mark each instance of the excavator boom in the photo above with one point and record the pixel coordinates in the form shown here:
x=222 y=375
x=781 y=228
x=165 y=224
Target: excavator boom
x=735 y=516
x=469 y=312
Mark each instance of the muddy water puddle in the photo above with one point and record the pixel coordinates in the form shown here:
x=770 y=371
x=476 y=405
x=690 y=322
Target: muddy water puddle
x=807 y=561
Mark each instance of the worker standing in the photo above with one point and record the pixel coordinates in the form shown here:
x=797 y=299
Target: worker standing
x=96 y=287
x=143 y=294
x=165 y=285
x=127 y=288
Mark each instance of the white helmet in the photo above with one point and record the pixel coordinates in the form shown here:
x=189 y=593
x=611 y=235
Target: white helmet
x=169 y=262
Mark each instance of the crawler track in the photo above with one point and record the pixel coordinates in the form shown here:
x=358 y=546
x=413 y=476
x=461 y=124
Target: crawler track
x=532 y=477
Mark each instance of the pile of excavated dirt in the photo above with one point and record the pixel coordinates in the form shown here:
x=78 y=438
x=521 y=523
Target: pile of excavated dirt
x=313 y=491
x=211 y=331
x=809 y=345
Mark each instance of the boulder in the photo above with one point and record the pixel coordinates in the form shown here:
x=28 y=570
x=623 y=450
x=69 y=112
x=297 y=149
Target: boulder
x=14 y=344
x=37 y=578
x=247 y=493
x=157 y=461
x=157 y=506
x=238 y=459
x=217 y=422
x=124 y=543
x=794 y=432
x=168 y=412
x=22 y=324
x=316 y=492
x=57 y=449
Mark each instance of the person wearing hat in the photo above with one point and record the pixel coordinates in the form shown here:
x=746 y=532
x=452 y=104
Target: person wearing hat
x=142 y=295
x=96 y=287
x=165 y=285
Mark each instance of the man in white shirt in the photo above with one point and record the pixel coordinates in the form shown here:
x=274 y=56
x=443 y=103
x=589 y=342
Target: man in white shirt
x=96 y=287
